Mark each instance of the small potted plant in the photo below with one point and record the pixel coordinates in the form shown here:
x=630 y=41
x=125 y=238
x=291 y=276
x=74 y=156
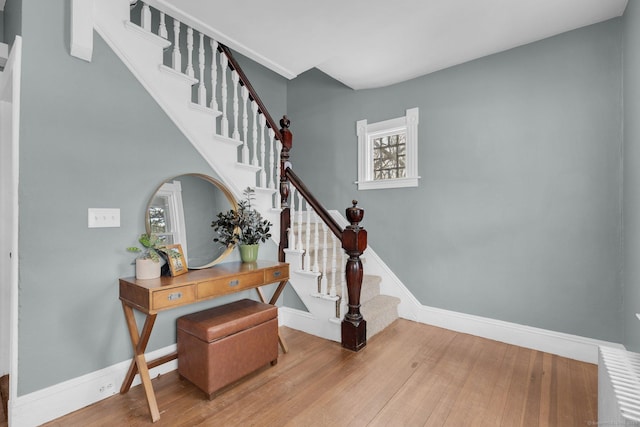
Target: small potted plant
x=151 y=256
x=245 y=227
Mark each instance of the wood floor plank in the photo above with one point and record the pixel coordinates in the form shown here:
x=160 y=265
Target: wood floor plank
x=413 y=402
x=456 y=366
x=498 y=399
x=545 y=389
x=584 y=392
x=408 y=375
x=531 y=413
x=565 y=412
x=475 y=396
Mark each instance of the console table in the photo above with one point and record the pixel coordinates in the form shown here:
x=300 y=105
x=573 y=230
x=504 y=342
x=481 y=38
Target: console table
x=154 y=295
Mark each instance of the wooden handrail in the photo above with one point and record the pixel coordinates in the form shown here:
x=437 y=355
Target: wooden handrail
x=314 y=203
x=252 y=93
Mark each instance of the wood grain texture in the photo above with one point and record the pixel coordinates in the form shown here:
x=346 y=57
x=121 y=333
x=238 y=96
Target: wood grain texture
x=4 y=396
x=408 y=375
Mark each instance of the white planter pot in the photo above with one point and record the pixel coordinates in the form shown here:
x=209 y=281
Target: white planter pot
x=147 y=269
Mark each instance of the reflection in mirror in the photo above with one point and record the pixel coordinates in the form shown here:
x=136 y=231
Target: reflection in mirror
x=181 y=211
x=165 y=214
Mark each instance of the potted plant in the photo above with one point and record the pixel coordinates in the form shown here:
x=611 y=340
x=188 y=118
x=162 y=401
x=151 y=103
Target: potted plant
x=151 y=256
x=245 y=227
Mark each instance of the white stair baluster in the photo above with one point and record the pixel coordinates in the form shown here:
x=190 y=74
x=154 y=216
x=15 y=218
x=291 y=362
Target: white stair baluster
x=272 y=155
x=162 y=27
x=245 y=125
x=214 y=75
x=176 y=58
x=307 y=254
x=224 y=63
x=263 y=143
x=292 y=220
x=202 y=90
x=343 y=278
x=235 y=78
x=189 y=70
x=334 y=244
x=323 y=283
x=278 y=173
x=300 y=224
x=254 y=134
x=316 y=244
x=145 y=17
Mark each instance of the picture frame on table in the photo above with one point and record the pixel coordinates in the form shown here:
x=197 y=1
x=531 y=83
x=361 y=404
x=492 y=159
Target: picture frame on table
x=175 y=259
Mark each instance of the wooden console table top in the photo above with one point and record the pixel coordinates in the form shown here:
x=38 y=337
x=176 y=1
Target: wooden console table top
x=154 y=295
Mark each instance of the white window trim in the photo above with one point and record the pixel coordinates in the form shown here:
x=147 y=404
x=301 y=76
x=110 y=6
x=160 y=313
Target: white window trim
x=368 y=132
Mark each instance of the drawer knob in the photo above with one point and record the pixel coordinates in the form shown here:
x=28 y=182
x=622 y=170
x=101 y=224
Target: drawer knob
x=174 y=296
x=277 y=273
x=234 y=283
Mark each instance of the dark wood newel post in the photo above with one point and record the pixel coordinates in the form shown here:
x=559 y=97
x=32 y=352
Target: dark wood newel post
x=354 y=242
x=285 y=214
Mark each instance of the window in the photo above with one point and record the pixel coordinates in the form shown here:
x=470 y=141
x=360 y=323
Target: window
x=166 y=215
x=388 y=152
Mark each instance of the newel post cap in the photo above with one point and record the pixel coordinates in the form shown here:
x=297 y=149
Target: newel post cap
x=354 y=237
x=287 y=136
x=354 y=214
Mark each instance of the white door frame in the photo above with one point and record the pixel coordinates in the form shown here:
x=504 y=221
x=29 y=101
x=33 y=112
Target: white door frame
x=9 y=163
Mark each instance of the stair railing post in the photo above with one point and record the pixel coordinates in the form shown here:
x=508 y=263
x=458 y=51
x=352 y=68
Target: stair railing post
x=285 y=218
x=354 y=242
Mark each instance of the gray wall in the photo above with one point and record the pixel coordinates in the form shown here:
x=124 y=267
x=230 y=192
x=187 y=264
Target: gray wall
x=632 y=175
x=91 y=136
x=518 y=212
x=12 y=21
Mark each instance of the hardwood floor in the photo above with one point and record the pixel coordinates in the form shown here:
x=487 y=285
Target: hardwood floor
x=408 y=375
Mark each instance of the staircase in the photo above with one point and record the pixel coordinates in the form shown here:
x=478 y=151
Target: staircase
x=196 y=81
x=317 y=276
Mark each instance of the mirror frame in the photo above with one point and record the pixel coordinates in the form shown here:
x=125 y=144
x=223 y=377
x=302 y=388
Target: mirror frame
x=213 y=181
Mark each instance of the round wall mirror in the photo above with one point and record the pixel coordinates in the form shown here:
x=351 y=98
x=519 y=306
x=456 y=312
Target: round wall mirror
x=181 y=211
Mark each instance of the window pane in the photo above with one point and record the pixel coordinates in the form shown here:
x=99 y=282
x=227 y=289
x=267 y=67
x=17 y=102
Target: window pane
x=159 y=215
x=389 y=155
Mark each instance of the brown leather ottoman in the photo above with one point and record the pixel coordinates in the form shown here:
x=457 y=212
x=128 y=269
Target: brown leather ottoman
x=218 y=346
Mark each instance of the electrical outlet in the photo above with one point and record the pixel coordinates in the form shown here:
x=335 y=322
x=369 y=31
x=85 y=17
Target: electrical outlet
x=99 y=217
x=107 y=387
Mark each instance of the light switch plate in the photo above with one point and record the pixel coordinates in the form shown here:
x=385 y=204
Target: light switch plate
x=102 y=217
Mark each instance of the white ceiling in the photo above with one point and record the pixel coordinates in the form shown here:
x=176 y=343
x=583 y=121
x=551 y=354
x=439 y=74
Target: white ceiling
x=374 y=43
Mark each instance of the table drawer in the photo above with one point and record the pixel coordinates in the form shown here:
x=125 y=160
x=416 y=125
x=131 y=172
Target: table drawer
x=173 y=297
x=227 y=285
x=276 y=274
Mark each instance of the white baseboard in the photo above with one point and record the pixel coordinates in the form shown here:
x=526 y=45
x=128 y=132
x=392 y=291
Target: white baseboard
x=559 y=343
x=566 y=345
x=307 y=322
x=53 y=402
